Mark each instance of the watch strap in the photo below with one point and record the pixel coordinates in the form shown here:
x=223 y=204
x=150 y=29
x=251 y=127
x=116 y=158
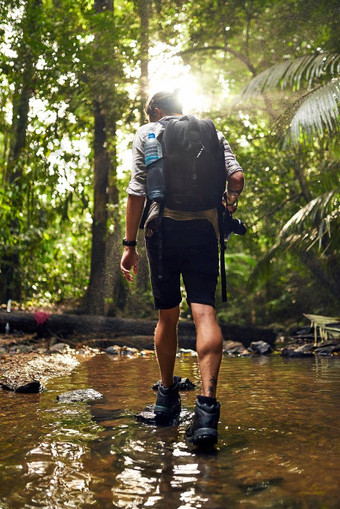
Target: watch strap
x=129 y=243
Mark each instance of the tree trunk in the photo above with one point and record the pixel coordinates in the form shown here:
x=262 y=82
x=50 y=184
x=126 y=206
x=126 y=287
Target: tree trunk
x=115 y=287
x=10 y=278
x=106 y=291
x=102 y=166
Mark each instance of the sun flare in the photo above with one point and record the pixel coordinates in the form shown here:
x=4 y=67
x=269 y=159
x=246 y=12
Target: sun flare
x=167 y=72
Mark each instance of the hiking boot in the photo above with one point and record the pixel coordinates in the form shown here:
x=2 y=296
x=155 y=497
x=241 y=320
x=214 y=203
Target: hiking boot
x=203 y=429
x=168 y=402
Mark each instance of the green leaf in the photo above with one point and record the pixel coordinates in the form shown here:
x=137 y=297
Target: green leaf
x=293 y=73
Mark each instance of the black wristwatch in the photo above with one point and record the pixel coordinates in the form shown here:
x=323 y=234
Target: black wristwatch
x=129 y=243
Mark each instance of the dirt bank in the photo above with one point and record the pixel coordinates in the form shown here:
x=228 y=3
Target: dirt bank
x=26 y=364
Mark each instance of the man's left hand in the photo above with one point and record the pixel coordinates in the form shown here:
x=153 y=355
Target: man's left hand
x=129 y=260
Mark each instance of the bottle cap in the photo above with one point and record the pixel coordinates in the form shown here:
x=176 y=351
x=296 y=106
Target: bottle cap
x=151 y=135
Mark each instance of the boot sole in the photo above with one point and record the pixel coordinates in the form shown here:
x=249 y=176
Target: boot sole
x=204 y=436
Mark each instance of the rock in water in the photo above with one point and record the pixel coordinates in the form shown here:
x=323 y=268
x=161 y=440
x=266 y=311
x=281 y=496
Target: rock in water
x=234 y=348
x=23 y=386
x=79 y=395
x=260 y=347
x=113 y=350
x=149 y=417
x=184 y=385
x=300 y=351
x=31 y=387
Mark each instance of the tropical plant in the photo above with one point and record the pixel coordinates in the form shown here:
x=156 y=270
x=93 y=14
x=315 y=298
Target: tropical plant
x=312 y=232
x=316 y=110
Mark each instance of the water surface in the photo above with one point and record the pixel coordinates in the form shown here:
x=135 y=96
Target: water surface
x=279 y=440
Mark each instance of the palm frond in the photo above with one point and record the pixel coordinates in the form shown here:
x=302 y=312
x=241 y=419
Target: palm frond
x=309 y=225
x=302 y=232
x=292 y=72
x=320 y=207
x=316 y=112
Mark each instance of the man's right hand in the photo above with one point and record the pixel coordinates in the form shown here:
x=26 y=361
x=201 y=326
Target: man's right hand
x=129 y=260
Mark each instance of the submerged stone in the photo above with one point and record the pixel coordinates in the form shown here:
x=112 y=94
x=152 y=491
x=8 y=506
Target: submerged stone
x=148 y=416
x=79 y=395
x=253 y=486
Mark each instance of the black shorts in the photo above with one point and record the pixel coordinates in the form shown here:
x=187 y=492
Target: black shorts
x=190 y=248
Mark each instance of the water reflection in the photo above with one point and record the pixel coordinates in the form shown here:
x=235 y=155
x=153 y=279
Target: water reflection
x=279 y=440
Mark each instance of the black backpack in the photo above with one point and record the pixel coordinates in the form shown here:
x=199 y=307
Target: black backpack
x=193 y=162
x=194 y=172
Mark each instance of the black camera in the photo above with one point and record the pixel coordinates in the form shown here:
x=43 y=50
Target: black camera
x=232 y=225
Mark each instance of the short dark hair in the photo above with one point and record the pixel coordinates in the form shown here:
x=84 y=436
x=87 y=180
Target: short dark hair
x=167 y=101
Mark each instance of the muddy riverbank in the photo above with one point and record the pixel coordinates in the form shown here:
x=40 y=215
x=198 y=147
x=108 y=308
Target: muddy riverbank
x=28 y=361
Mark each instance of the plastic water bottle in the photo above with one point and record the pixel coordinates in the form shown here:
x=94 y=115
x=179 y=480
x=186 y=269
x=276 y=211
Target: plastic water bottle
x=155 y=181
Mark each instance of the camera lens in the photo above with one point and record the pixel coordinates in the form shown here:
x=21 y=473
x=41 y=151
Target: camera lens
x=238 y=227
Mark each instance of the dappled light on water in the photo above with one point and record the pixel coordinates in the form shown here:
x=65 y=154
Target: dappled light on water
x=279 y=440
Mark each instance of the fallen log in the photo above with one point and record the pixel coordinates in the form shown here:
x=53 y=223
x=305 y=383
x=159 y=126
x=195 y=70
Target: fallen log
x=66 y=326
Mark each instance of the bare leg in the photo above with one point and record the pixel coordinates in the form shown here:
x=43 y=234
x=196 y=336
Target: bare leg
x=209 y=346
x=166 y=343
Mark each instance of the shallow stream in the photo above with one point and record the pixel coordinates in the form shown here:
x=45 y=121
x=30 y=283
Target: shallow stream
x=279 y=440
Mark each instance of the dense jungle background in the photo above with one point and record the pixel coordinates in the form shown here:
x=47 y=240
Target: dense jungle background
x=75 y=77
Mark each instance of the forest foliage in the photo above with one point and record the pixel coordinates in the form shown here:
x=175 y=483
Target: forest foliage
x=75 y=77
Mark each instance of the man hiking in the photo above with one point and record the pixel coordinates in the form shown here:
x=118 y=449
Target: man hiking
x=189 y=248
